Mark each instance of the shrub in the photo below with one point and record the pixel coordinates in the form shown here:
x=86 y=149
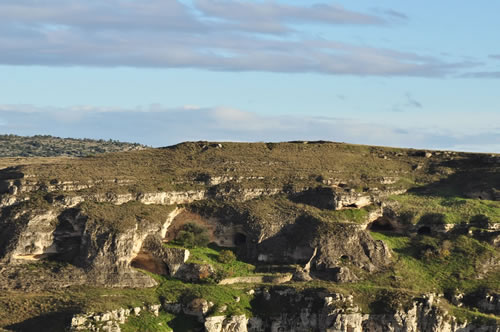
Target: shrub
x=480 y=220
x=390 y=301
x=226 y=257
x=193 y=235
x=445 y=249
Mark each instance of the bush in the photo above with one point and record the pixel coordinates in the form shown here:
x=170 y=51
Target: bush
x=192 y=235
x=445 y=249
x=480 y=220
x=390 y=301
x=226 y=257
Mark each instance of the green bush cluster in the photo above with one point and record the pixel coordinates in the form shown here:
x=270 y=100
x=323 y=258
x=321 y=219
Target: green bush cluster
x=192 y=235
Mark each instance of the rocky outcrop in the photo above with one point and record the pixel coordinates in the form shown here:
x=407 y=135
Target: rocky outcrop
x=338 y=313
x=274 y=279
x=422 y=315
x=104 y=253
x=357 y=248
x=175 y=258
x=226 y=324
x=197 y=308
x=484 y=300
x=334 y=198
x=490 y=303
x=300 y=312
x=194 y=272
x=109 y=321
x=156 y=258
x=107 y=255
x=34 y=236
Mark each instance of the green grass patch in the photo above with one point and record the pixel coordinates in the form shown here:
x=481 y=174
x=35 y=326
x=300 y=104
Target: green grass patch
x=164 y=322
x=210 y=255
x=171 y=290
x=147 y=322
x=436 y=264
x=451 y=210
x=473 y=316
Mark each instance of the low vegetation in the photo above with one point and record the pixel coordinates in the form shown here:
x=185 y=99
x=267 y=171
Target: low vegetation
x=125 y=216
x=446 y=210
x=191 y=235
x=50 y=146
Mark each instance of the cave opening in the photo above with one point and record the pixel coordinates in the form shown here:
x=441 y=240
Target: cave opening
x=239 y=239
x=424 y=230
x=381 y=225
x=146 y=261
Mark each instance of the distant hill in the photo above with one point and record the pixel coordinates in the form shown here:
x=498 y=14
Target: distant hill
x=50 y=146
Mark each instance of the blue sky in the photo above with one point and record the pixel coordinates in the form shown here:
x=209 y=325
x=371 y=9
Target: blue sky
x=421 y=74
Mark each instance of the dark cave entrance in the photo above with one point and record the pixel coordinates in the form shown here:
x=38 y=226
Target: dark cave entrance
x=67 y=238
x=146 y=261
x=424 y=230
x=381 y=225
x=239 y=239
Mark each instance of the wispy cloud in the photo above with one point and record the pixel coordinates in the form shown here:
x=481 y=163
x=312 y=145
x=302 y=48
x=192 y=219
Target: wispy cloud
x=412 y=102
x=216 y=35
x=495 y=56
x=408 y=104
x=159 y=126
x=394 y=13
x=273 y=14
x=482 y=74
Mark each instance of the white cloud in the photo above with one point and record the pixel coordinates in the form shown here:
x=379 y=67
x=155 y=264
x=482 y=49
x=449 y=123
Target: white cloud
x=482 y=74
x=214 y=35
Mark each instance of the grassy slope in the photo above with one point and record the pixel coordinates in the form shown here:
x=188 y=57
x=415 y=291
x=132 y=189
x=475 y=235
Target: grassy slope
x=443 y=265
x=446 y=210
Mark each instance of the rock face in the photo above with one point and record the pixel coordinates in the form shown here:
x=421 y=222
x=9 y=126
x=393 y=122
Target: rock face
x=334 y=198
x=226 y=324
x=156 y=258
x=330 y=312
x=109 y=321
x=490 y=303
x=357 y=248
x=193 y=272
x=298 y=312
x=105 y=254
x=336 y=313
x=34 y=235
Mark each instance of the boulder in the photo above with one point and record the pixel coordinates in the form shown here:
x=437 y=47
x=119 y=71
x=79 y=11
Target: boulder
x=193 y=272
